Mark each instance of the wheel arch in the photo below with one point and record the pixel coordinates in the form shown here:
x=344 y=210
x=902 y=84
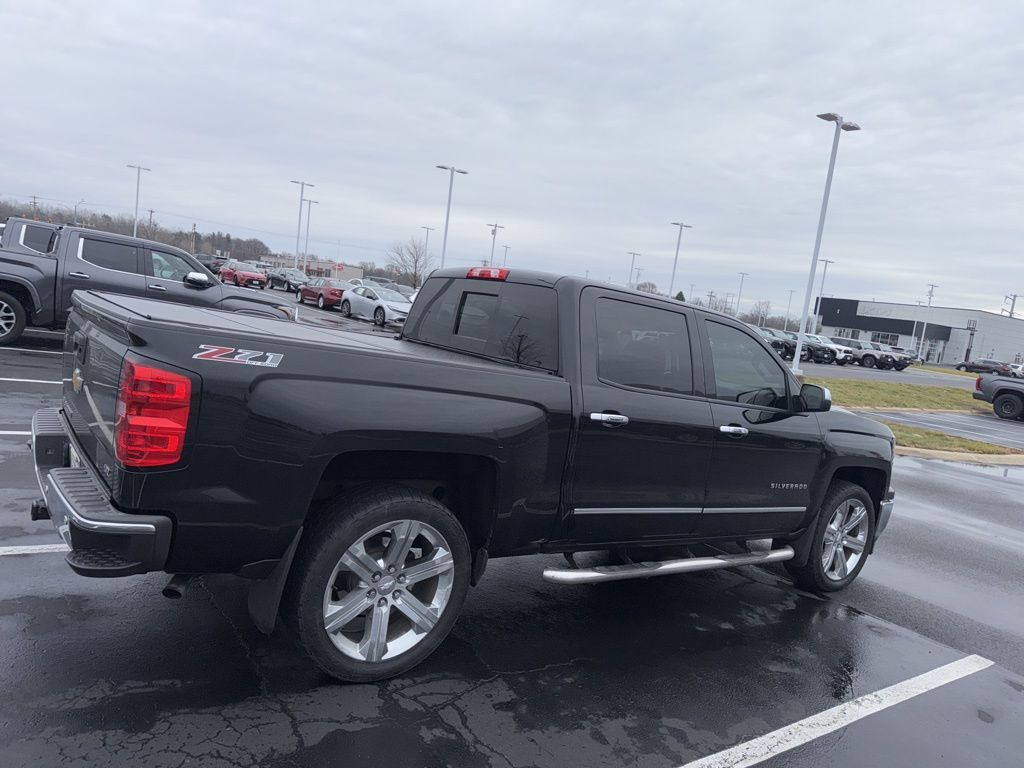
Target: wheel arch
x=24 y=292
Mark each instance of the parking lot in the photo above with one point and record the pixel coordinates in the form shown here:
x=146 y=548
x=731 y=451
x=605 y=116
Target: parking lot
x=911 y=375
x=654 y=673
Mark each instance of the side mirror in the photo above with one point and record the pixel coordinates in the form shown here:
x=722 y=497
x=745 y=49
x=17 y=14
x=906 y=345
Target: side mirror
x=197 y=279
x=815 y=399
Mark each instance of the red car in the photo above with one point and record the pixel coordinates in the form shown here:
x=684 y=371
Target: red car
x=242 y=273
x=323 y=291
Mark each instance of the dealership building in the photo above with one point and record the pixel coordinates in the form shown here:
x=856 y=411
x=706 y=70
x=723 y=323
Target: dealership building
x=951 y=334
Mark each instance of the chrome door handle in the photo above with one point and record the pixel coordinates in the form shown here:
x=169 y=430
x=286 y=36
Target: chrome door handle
x=610 y=418
x=156 y=287
x=734 y=431
x=82 y=275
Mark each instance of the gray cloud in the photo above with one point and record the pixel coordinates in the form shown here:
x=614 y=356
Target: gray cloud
x=586 y=129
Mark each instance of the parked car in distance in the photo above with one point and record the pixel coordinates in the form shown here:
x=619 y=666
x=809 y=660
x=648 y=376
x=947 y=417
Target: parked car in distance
x=377 y=280
x=286 y=277
x=325 y=292
x=783 y=347
x=843 y=354
x=1018 y=370
x=36 y=286
x=406 y=290
x=378 y=303
x=1006 y=395
x=900 y=360
x=984 y=365
x=243 y=273
x=812 y=351
x=211 y=262
x=865 y=353
x=517 y=413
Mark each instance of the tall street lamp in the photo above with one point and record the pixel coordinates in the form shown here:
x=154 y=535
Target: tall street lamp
x=743 y=276
x=298 y=229
x=789 y=304
x=632 y=266
x=921 y=351
x=452 y=170
x=841 y=125
x=426 y=241
x=305 y=250
x=821 y=294
x=75 y=214
x=494 y=238
x=138 y=183
x=675 y=261
x=504 y=261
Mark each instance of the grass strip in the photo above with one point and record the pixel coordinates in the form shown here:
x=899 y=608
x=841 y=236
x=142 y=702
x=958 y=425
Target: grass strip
x=914 y=437
x=854 y=393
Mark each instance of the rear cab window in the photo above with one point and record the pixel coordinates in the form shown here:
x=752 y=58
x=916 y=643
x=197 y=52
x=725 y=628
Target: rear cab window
x=507 y=321
x=39 y=239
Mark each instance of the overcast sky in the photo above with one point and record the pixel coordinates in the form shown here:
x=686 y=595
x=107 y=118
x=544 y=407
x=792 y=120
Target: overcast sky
x=586 y=129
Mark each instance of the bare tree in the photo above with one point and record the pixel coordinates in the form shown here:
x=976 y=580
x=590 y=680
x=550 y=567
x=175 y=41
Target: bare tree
x=410 y=259
x=758 y=313
x=647 y=287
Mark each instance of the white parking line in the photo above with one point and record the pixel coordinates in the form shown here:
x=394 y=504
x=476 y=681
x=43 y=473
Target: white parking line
x=36 y=351
x=31 y=381
x=816 y=726
x=2 y=432
x=33 y=549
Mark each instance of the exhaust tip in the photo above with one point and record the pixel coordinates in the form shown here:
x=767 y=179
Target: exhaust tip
x=175 y=587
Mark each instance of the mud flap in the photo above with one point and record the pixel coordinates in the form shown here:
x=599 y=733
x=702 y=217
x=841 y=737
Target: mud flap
x=265 y=595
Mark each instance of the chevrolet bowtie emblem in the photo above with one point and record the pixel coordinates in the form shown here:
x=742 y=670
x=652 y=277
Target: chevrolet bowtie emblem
x=76 y=380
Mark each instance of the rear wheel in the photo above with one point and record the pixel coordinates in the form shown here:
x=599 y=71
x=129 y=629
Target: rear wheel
x=320 y=301
x=961 y=367
x=12 y=318
x=298 y=297
x=868 y=361
x=346 y=309
x=1006 y=406
x=378 y=317
x=841 y=539
x=377 y=583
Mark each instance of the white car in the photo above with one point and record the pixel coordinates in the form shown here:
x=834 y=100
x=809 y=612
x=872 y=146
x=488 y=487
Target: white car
x=844 y=355
x=1018 y=370
x=376 y=303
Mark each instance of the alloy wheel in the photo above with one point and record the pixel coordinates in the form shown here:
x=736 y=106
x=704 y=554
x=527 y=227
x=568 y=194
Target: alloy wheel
x=379 y=317
x=7 y=318
x=845 y=540
x=388 y=590
x=320 y=301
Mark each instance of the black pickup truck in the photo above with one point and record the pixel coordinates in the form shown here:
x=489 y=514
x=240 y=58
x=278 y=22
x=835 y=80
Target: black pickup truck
x=363 y=480
x=42 y=264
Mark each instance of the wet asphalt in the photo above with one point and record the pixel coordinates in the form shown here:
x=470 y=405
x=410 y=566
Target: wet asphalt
x=649 y=673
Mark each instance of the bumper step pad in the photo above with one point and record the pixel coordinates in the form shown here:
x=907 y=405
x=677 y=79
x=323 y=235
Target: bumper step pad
x=100 y=562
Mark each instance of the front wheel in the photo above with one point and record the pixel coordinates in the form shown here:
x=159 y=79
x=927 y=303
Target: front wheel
x=346 y=309
x=320 y=301
x=868 y=361
x=961 y=367
x=298 y=297
x=12 y=319
x=378 y=317
x=842 y=536
x=1006 y=406
x=377 y=583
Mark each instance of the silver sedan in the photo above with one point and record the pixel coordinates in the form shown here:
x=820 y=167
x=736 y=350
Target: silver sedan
x=376 y=303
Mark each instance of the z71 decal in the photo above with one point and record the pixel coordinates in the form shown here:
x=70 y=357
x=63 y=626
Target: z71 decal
x=242 y=356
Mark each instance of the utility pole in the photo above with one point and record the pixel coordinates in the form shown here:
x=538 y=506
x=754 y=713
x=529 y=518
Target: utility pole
x=426 y=241
x=35 y=204
x=150 y=231
x=632 y=266
x=192 y=247
x=138 y=183
x=924 y=330
x=675 y=261
x=1012 y=298
x=494 y=239
x=504 y=261
x=452 y=170
x=785 y=324
x=298 y=229
x=305 y=250
x=711 y=299
x=743 y=276
x=689 y=296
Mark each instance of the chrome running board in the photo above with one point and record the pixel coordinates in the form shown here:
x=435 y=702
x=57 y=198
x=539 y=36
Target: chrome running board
x=663 y=568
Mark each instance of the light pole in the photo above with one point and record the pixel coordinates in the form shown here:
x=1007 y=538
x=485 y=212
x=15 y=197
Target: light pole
x=785 y=324
x=675 y=261
x=452 y=170
x=494 y=238
x=75 y=214
x=690 y=295
x=632 y=266
x=812 y=327
x=743 y=276
x=426 y=242
x=504 y=261
x=924 y=330
x=298 y=229
x=138 y=183
x=305 y=250
x=841 y=125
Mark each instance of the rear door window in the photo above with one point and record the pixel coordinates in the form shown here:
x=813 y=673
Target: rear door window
x=506 y=321
x=37 y=238
x=116 y=256
x=644 y=347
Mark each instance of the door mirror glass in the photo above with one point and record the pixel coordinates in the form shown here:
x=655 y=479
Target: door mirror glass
x=197 y=279
x=815 y=399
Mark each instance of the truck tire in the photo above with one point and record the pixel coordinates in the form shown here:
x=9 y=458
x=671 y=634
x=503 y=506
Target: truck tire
x=868 y=361
x=12 y=319
x=840 y=361
x=835 y=562
x=377 y=582
x=1006 y=405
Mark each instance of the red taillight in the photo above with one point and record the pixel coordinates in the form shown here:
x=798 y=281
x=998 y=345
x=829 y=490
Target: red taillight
x=977 y=383
x=335 y=293
x=152 y=416
x=487 y=273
